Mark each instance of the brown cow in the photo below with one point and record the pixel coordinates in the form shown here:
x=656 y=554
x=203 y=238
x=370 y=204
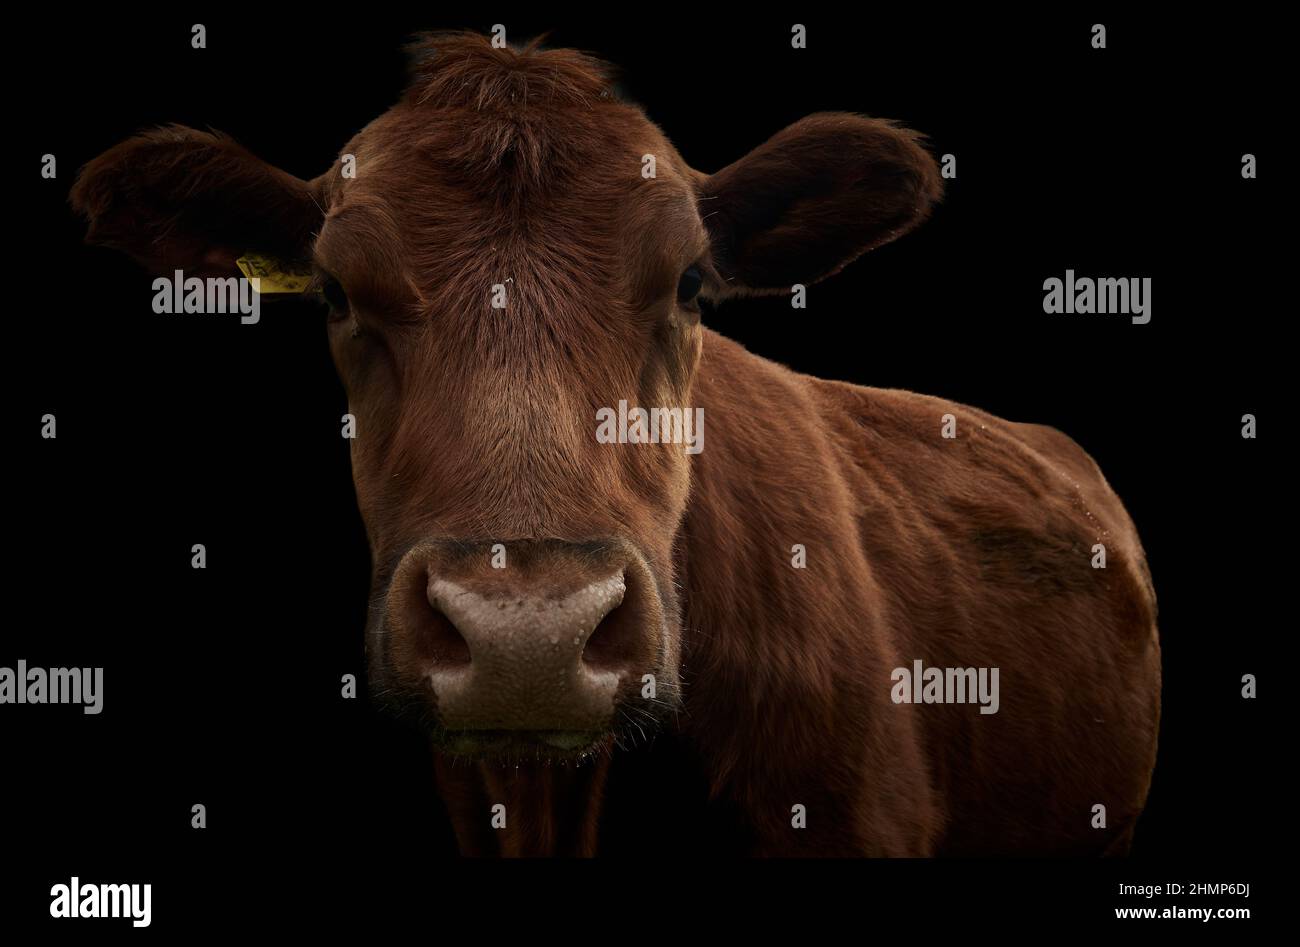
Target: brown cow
x=502 y=271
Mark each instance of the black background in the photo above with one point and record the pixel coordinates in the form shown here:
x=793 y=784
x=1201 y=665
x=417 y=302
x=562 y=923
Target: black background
x=222 y=685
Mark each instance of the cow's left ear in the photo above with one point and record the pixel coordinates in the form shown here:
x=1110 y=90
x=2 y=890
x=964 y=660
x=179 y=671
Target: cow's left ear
x=178 y=198
x=813 y=198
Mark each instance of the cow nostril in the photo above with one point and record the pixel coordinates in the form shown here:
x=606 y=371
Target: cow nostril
x=440 y=641
x=446 y=645
x=615 y=641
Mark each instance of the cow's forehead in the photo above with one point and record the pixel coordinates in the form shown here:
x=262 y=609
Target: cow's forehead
x=497 y=161
x=511 y=159
x=434 y=187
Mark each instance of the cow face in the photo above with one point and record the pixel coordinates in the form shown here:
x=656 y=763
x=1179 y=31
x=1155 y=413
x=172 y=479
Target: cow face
x=513 y=262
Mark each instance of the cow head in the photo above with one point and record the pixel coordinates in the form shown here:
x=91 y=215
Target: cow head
x=517 y=253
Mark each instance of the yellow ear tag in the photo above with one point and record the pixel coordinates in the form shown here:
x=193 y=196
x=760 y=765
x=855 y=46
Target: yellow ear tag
x=273 y=276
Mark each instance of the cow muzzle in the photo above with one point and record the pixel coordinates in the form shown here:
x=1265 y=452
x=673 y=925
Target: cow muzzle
x=525 y=643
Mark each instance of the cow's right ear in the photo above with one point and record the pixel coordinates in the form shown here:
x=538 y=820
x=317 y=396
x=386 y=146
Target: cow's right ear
x=177 y=198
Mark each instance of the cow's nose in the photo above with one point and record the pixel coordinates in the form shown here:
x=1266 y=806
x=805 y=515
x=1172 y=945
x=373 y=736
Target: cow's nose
x=528 y=660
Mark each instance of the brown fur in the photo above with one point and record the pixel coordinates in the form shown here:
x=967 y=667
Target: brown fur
x=523 y=168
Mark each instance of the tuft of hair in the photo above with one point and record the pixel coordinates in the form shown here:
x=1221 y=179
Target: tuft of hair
x=464 y=70
x=521 y=117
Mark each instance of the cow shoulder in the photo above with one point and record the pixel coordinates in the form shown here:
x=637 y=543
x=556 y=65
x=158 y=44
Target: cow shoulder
x=983 y=501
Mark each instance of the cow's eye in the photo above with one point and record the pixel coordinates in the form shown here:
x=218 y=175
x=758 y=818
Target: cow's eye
x=688 y=287
x=334 y=295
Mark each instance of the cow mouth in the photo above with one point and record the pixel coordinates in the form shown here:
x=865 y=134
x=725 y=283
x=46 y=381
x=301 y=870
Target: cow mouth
x=523 y=744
